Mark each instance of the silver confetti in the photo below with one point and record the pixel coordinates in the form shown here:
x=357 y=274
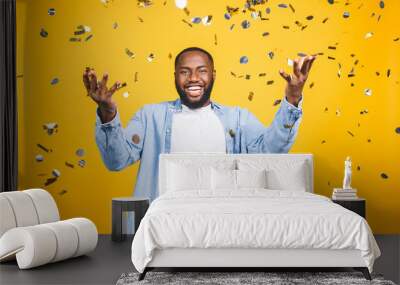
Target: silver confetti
x=368 y=92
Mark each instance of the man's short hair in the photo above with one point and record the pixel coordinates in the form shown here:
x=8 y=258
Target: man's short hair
x=194 y=49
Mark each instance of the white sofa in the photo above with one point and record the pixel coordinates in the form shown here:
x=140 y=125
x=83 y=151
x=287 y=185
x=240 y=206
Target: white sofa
x=31 y=231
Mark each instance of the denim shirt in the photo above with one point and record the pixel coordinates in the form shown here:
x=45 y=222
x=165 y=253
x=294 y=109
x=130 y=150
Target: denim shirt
x=148 y=134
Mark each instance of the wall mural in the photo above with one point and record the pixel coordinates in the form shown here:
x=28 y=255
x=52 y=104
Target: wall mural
x=351 y=100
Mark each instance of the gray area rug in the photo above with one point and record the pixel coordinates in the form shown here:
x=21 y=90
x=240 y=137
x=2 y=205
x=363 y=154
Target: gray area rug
x=231 y=278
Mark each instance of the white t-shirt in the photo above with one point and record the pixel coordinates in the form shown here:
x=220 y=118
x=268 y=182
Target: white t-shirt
x=197 y=130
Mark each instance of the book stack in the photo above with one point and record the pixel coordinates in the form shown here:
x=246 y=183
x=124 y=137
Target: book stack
x=344 y=194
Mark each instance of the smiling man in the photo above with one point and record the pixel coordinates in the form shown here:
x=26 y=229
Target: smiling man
x=191 y=123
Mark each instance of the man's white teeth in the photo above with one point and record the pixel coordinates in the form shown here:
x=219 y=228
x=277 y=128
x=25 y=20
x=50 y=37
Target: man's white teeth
x=194 y=88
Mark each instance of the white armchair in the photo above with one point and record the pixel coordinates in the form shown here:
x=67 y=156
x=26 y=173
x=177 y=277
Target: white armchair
x=32 y=233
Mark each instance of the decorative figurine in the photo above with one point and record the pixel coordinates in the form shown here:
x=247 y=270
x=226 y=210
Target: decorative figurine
x=347 y=173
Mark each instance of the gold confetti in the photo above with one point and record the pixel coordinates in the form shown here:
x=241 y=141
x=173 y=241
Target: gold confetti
x=129 y=53
x=251 y=95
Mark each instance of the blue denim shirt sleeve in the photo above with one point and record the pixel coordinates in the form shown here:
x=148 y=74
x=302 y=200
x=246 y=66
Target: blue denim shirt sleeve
x=278 y=137
x=120 y=147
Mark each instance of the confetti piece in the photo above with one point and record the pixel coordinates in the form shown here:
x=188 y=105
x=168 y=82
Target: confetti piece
x=384 y=175
x=69 y=164
x=207 y=20
x=140 y=20
x=277 y=102
x=330 y=1
x=43 y=33
x=186 y=22
x=79 y=32
x=244 y=59
x=368 y=35
x=311 y=85
x=292 y=8
x=351 y=73
x=381 y=4
x=388 y=73
x=144 y=3
x=39 y=158
x=82 y=163
x=50 y=181
x=227 y=16
x=129 y=53
x=54 y=81
x=196 y=20
x=288 y=126
x=324 y=20
x=290 y=62
x=62 y=192
x=323 y=141
x=268 y=10
x=186 y=10
x=56 y=173
x=150 y=57
x=215 y=39
x=50 y=128
x=346 y=15
x=136 y=76
x=231 y=133
x=115 y=25
x=350 y=133
x=51 y=12
x=368 y=92
x=245 y=24
x=74 y=39
x=247 y=77
x=337 y=112
x=251 y=95
x=262 y=74
x=282 y=5
x=255 y=15
x=286 y=27
x=43 y=148
x=270 y=82
x=271 y=54
x=358 y=168
x=80 y=152
x=88 y=38
x=125 y=94
x=232 y=10
x=231 y=27
x=397 y=130
x=106 y=2
x=310 y=17
x=181 y=4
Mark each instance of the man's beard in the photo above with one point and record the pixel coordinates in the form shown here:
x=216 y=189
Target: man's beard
x=197 y=104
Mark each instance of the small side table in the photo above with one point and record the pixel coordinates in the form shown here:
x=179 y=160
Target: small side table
x=122 y=204
x=357 y=205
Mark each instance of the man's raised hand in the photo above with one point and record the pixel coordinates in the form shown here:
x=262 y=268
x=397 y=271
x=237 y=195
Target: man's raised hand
x=102 y=95
x=296 y=81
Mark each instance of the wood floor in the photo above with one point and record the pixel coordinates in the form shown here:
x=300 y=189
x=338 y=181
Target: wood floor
x=110 y=260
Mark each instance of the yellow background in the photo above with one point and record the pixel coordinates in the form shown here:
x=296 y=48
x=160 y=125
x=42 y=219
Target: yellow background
x=90 y=189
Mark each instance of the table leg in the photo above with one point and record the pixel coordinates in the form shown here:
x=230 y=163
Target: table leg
x=116 y=222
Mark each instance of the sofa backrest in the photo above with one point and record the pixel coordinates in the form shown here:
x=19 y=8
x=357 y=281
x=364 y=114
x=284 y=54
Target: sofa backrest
x=26 y=208
x=277 y=162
